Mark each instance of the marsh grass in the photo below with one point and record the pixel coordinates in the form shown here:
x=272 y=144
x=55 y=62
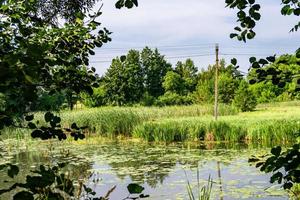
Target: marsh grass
x=269 y=123
x=230 y=129
x=115 y=121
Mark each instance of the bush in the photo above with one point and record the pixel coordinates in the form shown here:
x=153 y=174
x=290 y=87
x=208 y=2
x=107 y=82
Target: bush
x=96 y=99
x=147 y=100
x=265 y=92
x=46 y=102
x=204 y=92
x=244 y=98
x=171 y=98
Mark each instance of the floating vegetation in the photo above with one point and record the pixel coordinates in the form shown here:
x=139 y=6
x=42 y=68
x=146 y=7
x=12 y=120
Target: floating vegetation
x=159 y=168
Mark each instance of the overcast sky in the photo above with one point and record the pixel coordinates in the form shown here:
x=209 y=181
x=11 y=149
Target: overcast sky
x=190 y=28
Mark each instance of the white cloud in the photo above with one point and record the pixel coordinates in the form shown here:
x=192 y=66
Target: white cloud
x=177 y=22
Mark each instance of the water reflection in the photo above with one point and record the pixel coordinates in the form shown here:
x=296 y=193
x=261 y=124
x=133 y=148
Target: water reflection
x=160 y=168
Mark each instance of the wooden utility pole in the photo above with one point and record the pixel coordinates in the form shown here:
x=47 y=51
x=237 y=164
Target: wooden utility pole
x=216 y=82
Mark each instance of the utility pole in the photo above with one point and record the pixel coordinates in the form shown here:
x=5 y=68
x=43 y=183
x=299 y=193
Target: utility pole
x=216 y=82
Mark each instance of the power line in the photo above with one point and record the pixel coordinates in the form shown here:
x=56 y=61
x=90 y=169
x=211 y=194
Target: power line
x=167 y=47
x=243 y=54
x=167 y=57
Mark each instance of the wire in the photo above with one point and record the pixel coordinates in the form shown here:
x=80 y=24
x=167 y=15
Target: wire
x=170 y=57
x=160 y=47
x=243 y=54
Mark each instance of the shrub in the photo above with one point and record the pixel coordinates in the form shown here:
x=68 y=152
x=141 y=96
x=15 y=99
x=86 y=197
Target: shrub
x=244 y=98
x=147 y=100
x=96 y=99
x=171 y=98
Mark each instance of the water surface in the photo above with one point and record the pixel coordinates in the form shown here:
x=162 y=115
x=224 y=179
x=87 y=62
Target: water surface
x=162 y=169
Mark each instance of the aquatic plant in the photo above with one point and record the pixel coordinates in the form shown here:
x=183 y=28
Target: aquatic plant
x=203 y=192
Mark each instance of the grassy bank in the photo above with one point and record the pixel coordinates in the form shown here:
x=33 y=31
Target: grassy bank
x=278 y=122
x=113 y=121
x=269 y=123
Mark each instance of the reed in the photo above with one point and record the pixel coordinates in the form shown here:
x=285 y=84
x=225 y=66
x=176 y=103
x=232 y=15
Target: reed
x=269 y=123
x=231 y=129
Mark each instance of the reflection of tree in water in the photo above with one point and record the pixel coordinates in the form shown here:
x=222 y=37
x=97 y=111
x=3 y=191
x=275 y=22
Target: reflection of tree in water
x=152 y=164
x=29 y=161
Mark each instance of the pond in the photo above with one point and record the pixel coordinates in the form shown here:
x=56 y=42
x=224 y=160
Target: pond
x=163 y=170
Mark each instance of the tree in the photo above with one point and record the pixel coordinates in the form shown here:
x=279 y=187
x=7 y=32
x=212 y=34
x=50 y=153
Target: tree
x=124 y=81
x=188 y=72
x=114 y=81
x=229 y=81
x=35 y=56
x=279 y=160
x=271 y=87
x=98 y=98
x=266 y=92
x=134 y=77
x=50 y=10
x=244 y=98
x=155 y=67
x=228 y=86
x=173 y=82
x=46 y=102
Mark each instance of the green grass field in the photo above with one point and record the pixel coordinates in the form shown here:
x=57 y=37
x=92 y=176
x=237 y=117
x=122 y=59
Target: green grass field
x=276 y=122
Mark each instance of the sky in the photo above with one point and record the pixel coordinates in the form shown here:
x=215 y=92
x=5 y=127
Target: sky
x=190 y=29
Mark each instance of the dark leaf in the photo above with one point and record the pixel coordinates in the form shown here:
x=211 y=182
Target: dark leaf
x=48 y=116
x=252 y=59
x=29 y=117
x=31 y=125
x=135 y=188
x=13 y=171
x=276 y=151
x=123 y=58
x=233 y=61
x=271 y=59
x=144 y=196
x=23 y=195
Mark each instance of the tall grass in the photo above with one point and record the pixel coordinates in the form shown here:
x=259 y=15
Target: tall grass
x=114 y=121
x=230 y=129
x=184 y=123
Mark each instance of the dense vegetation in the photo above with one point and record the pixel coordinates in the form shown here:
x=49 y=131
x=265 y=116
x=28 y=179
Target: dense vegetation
x=146 y=78
x=43 y=63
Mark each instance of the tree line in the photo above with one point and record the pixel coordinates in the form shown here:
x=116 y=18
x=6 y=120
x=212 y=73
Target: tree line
x=146 y=78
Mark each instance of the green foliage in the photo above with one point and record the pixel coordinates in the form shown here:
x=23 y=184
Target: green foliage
x=279 y=161
x=267 y=92
x=204 y=91
x=36 y=56
x=50 y=10
x=126 y=3
x=147 y=100
x=249 y=14
x=228 y=86
x=172 y=98
x=53 y=182
x=155 y=67
x=46 y=102
x=115 y=83
x=248 y=127
x=188 y=72
x=45 y=184
x=244 y=98
x=98 y=98
x=282 y=72
x=173 y=82
x=229 y=81
x=124 y=80
x=129 y=79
